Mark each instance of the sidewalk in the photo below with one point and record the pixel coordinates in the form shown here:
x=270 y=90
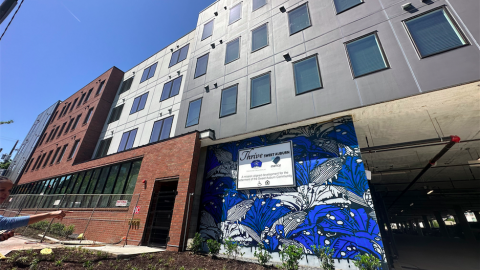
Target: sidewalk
x=19 y=242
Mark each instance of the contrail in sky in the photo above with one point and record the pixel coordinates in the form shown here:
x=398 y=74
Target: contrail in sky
x=70 y=12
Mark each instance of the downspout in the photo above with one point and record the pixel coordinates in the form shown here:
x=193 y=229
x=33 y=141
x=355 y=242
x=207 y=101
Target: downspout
x=453 y=140
x=186 y=222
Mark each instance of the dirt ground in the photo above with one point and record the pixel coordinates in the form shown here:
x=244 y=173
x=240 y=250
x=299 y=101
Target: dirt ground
x=78 y=258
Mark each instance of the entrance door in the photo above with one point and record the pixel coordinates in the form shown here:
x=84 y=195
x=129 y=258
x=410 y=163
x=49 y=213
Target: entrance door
x=161 y=213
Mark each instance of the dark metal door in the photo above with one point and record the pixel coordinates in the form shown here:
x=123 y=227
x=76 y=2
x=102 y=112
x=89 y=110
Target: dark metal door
x=162 y=217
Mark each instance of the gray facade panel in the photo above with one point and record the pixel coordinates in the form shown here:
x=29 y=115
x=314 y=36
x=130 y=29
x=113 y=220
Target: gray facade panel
x=407 y=74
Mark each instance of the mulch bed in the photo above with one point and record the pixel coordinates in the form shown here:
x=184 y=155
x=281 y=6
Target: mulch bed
x=80 y=258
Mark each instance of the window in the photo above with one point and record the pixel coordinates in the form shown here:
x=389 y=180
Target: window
x=53 y=116
x=29 y=164
x=87 y=117
x=161 y=129
x=139 y=103
x=62 y=153
x=41 y=160
x=88 y=95
x=148 y=72
x=48 y=158
x=365 y=55
x=171 y=88
x=126 y=85
x=260 y=91
x=69 y=125
x=233 y=50
x=55 y=132
x=435 y=32
x=103 y=147
x=259 y=37
x=74 y=103
x=207 y=29
x=100 y=87
x=228 y=103
x=42 y=138
x=179 y=55
x=115 y=115
x=55 y=155
x=193 y=115
x=76 y=121
x=66 y=109
x=201 y=68
x=81 y=99
x=74 y=149
x=61 y=112
x=307 y=75
x=299 y=19
x=235 y=13
x=342 y=5
x=61 y=129
x=36 y=162
x=258 y=4
x=128 y=138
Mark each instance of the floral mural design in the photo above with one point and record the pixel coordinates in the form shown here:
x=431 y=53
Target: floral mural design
x=330 y=205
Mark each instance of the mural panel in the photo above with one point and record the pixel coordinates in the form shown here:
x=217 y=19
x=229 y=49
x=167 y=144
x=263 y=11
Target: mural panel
x=330 y=205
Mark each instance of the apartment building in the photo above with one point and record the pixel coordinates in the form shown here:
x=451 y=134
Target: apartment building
x=307 y=123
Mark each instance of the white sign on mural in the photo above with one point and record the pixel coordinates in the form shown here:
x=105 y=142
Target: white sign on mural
x=266 y=167
x=121 y=203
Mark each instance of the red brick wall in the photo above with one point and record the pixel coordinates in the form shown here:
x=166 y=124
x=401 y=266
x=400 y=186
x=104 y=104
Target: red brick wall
x=88 y=133
x=173 y=158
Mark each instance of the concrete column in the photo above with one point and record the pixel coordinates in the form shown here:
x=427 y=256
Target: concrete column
x=463 y=222
x=419 y=229
x=477 y=215
x=441 y=223
x=426 y=223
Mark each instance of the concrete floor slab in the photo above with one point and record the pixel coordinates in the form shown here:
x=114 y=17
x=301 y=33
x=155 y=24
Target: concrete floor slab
x=19 y=242
x=436 y=253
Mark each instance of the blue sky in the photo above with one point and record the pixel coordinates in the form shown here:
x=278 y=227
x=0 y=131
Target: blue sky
x=55 y=47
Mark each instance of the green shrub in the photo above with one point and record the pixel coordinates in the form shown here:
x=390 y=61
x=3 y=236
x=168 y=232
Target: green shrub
x=41 y=225
x=262 y=255
x=196 y=245
x=232 y=248
x=213 y=247
x=57 y=228
x=325 y=255
x=367 y=262
x=68 y=230
x=290 y=255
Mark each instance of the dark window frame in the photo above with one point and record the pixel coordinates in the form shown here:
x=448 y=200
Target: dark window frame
x=309 y=18
x=196 y=64
x=266 y=1
x=128 y=138
x=161 y=130
x=89 y=94
x=178 y=56
x=74 y=103
x=221 y=99
x=74 y=149
x=338 y=12
x=149 y=70
x=70 y=123
x=100 y=88
x=251 y=88
x=138 y=104
x=381 y=51
x=62 y=153
x=102 y=149
x=88 y=117
x=268 y=39
x=239 y=49
x=48 y=158
x=61 y=129
x=455 y=25
x=55 y=155
x=230 y=13
x=199 y=112
x=114 y=113
x=319 y=74
x=127 y=83
x=171 y=87
x=75 y=124
x=213 y=28
x=81 y=99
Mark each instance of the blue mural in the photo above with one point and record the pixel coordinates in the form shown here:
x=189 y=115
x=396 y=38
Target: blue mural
x=330 y=205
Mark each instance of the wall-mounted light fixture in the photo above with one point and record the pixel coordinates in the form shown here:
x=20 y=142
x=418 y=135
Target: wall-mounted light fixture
x=178 y=72
x=287 y=57
x=215 y=84
x=207 y=89
x=221 y=41
x=215 y=13
x=407 y=6
x=169 y=111
x=213 y=45
x=282 y=9
x=430 y=192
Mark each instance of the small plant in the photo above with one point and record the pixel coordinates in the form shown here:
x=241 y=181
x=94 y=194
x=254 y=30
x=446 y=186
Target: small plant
x=325 y=255
x=58 y=263
x=160 y=261
x=181 y=268
x=87 y=264
x=367 y=262
x=262 y=255
x=34 y=264
x=232 y=248
x=100 y=263
x=213 y=247
x=171 y=260
x=290 y=255
x=143 y=255
x=196 y=245
x=150 y=257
